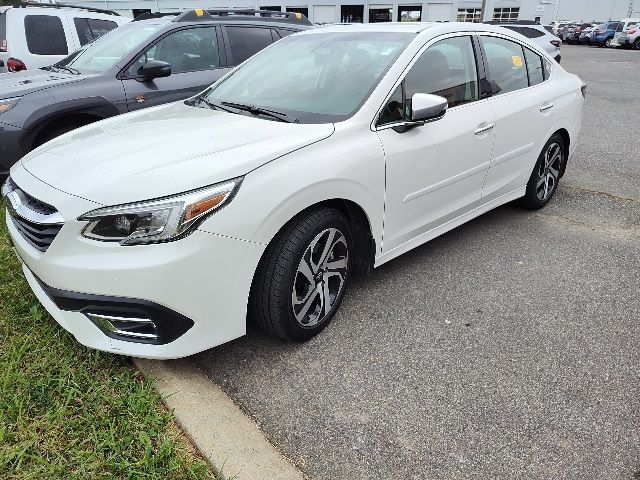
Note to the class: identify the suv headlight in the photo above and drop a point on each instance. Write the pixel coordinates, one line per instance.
(157, 221)
(7, 104)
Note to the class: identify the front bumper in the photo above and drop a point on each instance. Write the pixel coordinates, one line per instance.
(204, 279)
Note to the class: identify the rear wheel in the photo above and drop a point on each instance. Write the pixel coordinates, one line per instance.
(546, 174)
(607, 43)
(303, 276)
(636, 44)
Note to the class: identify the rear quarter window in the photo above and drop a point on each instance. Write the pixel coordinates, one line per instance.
(45, 35)
(527, 31)
(88, 29)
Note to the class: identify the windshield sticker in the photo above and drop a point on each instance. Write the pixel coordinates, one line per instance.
(517, 61)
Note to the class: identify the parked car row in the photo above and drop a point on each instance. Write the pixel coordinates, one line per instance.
(623, 33)
(278, 166)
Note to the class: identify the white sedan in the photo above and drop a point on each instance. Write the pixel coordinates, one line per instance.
(158, 233)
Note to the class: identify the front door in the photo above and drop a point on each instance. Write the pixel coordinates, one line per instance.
(435, 172)
(194, 57)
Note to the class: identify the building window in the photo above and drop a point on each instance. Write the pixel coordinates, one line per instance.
(506, 14)
(409, 14)
(273, 8)
(303, 10)
(469, 15)
(377, 15)
(351, 13)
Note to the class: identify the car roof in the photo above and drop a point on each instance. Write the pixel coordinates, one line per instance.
(436, 28)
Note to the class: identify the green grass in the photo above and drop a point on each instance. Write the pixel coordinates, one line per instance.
(70, 412)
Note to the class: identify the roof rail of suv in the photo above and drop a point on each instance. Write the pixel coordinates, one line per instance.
(62, 5)
(234, 14)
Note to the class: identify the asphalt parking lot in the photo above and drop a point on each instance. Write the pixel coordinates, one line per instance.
(507, 348)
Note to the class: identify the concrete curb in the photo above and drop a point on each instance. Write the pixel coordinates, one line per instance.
(229, 439)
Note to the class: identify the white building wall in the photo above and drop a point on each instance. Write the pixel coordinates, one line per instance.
(432, 10)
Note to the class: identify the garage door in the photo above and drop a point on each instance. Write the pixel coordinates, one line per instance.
(439, 12)
(324, 14)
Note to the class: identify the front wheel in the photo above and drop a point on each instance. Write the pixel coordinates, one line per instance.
(546, 174)
(607, 43)
(636, 44)
(303, 276)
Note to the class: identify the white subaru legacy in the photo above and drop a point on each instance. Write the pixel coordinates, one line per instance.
(159, 233)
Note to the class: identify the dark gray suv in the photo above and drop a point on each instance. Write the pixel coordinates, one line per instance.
(153, 60)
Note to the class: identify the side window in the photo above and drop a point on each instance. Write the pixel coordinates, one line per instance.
(45, 35)
(185, 50)
(100, 27)
(245, 41)
(89, 29)
(527, 31)
(285, 32)
(535, 67)
(507, 69)
(447, 68)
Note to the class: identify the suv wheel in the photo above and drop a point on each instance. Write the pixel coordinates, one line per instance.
(303, 276)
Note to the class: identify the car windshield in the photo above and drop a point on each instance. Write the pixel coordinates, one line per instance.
(316, 78)
(103, 53)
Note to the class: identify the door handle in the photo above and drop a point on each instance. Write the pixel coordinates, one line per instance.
(544, 108)
(486, 128)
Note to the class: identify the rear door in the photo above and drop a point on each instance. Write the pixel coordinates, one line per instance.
(194, 54)
(524, 104)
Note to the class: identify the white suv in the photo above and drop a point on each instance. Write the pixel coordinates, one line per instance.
(333, 150)
(38, 35)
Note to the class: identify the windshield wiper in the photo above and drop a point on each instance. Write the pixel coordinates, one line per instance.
(282, 117)
(68, 69)
(213, 105)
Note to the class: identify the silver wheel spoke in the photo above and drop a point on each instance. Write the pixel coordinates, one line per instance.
(305, 269)
(306, 304)
(554, 172)
(336, 265)
(327, 246)
(326, 298)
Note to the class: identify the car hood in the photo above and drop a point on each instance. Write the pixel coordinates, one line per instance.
(17, 84)
(163, 151)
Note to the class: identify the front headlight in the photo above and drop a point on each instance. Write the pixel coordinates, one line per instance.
(7, 104)
(160, 220)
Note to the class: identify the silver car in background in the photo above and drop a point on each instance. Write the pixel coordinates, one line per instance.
(536, 33)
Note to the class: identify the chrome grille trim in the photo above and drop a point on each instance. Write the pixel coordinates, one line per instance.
(37, 222)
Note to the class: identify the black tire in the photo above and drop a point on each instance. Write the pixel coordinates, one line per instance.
(547, 170)
(636, 44)
(51, 133)
(271, 303)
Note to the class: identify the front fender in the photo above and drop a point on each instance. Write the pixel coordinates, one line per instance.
(347, 165)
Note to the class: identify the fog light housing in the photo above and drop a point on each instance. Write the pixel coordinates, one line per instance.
(130, 329)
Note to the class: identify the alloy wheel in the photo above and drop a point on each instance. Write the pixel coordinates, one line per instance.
(320, 277)
(549, 172)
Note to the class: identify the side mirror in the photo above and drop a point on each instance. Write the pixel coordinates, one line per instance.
(154, 69)
(427, 108)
